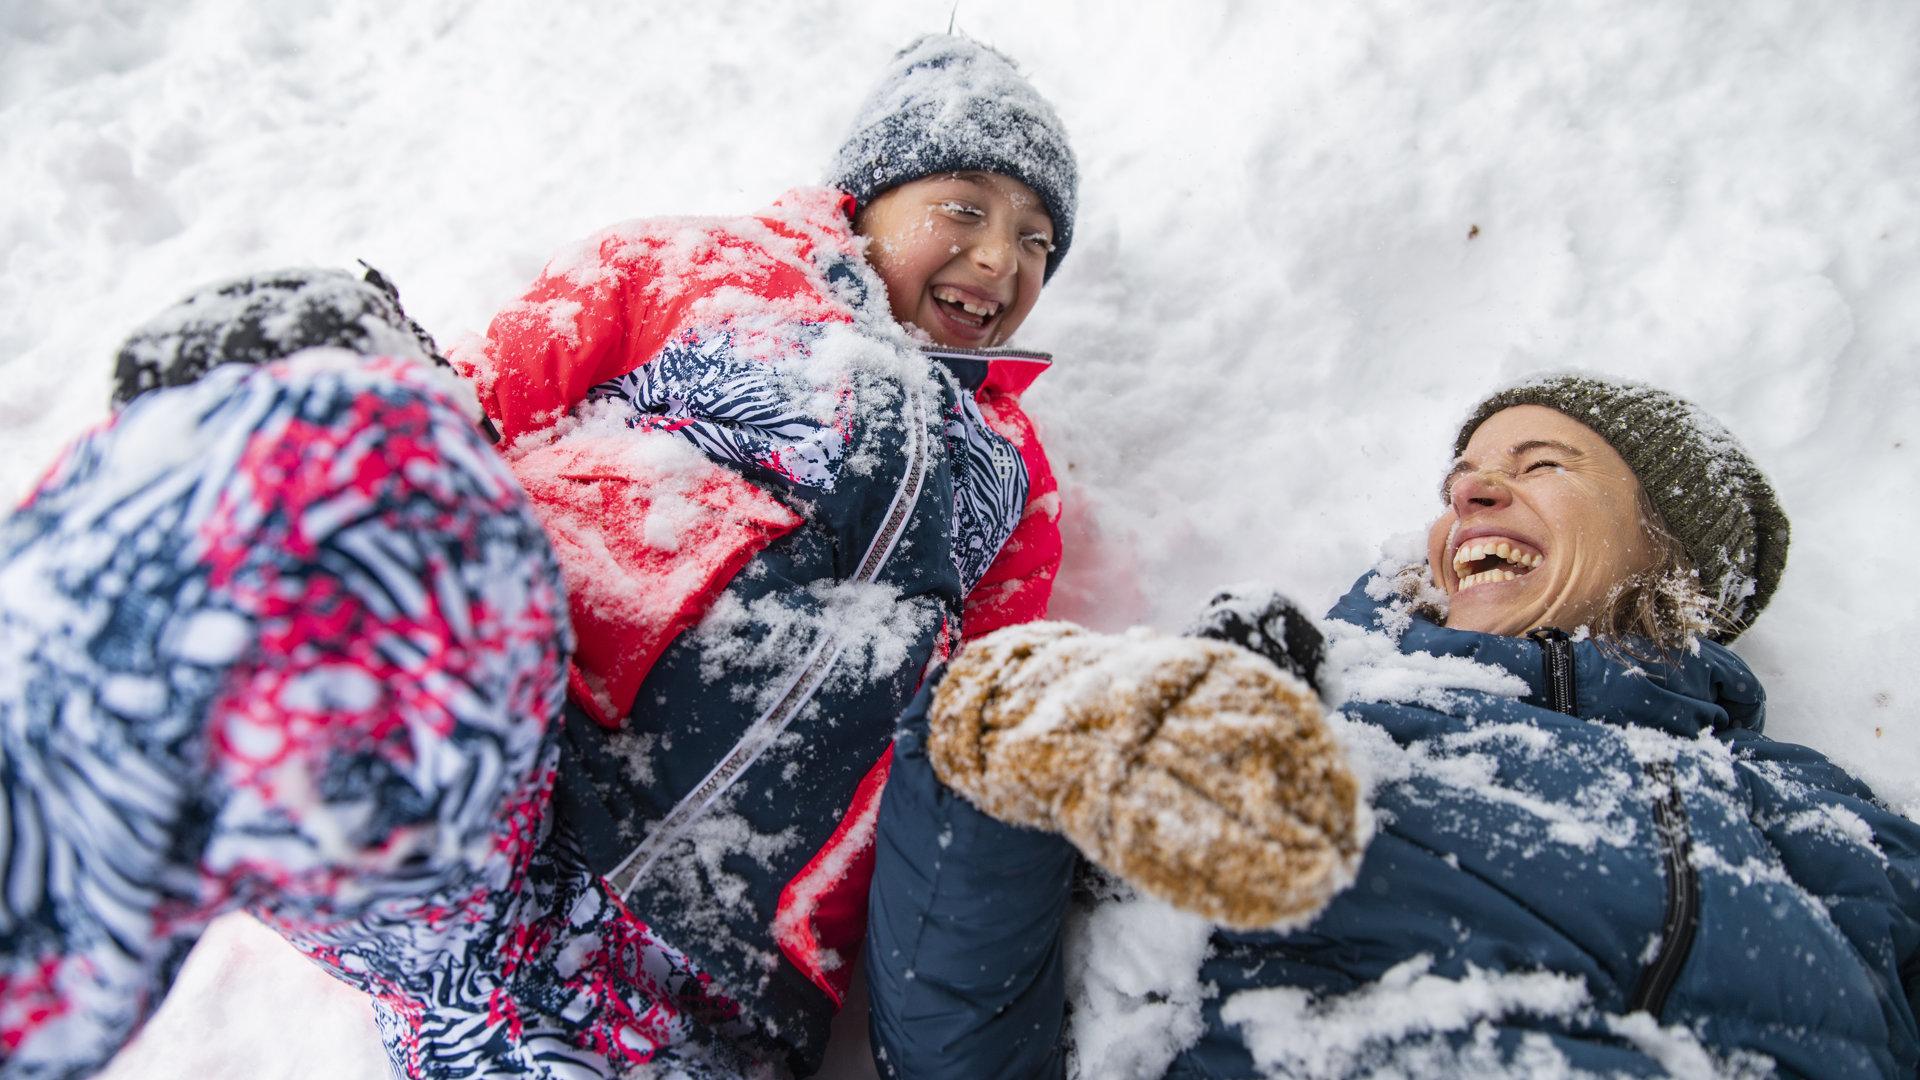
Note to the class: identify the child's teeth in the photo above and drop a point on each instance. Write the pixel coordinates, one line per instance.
(983, 311)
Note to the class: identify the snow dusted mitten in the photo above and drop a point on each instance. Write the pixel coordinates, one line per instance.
(1198, 773)
(1269, 624)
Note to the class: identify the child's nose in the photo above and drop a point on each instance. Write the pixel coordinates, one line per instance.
(995, 254)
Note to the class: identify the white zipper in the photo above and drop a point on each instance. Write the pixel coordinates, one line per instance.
(806, 680)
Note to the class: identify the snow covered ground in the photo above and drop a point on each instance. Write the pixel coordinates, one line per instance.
(1311, 235)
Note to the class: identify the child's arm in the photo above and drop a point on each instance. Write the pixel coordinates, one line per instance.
(1019, 583)
(571, 331)
(606, 307)
(593, 315)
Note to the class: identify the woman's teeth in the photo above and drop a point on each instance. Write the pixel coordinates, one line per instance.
(1504, 552)
(1486, 577)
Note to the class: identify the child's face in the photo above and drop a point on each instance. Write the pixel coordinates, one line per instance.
(962, 254)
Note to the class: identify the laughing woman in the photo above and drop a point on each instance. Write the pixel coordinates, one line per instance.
(1543, 834)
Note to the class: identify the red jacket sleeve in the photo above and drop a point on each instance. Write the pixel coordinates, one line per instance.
(607, 306)
(1019, 583)
(617, 501)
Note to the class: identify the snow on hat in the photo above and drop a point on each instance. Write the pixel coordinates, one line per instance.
(262, 317)
(1709, 492)
(949, 104)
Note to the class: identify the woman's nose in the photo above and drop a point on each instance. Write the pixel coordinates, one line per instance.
(1480, 490)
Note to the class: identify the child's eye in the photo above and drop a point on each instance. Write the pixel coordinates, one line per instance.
(962, 209)
(1039, 241)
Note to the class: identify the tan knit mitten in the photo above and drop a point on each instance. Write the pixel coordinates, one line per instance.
(1195, 770)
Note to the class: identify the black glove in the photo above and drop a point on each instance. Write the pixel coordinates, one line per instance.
(1269, 624)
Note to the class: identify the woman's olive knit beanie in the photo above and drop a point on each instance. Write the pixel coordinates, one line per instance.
(1710, 495)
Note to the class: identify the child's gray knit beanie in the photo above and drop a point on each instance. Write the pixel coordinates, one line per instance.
(1709, 492)
(950, 104)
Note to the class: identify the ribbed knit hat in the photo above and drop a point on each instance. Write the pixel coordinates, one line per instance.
(261, 318)
(950, 104)
(1713, 498)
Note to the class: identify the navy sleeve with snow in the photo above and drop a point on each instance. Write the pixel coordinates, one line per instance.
(1813, 811)
(964, 930)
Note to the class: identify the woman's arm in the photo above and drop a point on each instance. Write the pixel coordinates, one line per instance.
(964, 930)
(1830, 829)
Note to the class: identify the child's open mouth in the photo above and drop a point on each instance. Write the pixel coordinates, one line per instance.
(1490, 559)
(968, 311)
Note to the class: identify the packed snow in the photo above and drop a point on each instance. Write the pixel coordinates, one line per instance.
(1133, 973)
(1310, 237)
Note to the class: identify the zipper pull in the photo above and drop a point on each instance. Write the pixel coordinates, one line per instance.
(1557, 660)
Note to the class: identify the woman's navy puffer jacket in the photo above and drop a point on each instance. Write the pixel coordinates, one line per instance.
(1621, 824)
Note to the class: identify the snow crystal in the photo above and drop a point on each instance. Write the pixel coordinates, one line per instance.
(1678, 1050)
(695, 864)
(1365, 665)
(559, 316)
(1133, 975)
(1836, 823)
(871, 623)
(1291, 1033)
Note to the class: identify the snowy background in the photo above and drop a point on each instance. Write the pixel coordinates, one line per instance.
(1312, 235)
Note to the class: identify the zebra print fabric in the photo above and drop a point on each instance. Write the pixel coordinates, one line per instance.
(287, 641)
(747, 412)
(736, 409)
(989, 490)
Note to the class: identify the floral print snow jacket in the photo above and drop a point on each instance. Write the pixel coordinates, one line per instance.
(773, 512)
(1582, 865)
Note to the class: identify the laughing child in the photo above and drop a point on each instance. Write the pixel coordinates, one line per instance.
(285, 636)
(783, 461)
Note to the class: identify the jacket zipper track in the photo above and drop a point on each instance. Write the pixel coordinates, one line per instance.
(806, 679)
(1681, 918)
(1683, 896)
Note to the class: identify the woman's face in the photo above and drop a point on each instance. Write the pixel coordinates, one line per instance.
(1542, 524)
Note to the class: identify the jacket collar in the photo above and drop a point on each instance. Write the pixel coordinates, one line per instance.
(1004, 371)
(1708, 690)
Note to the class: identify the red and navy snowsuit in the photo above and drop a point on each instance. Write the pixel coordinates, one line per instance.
(290, 640)
(773, 510)
(284, 641)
